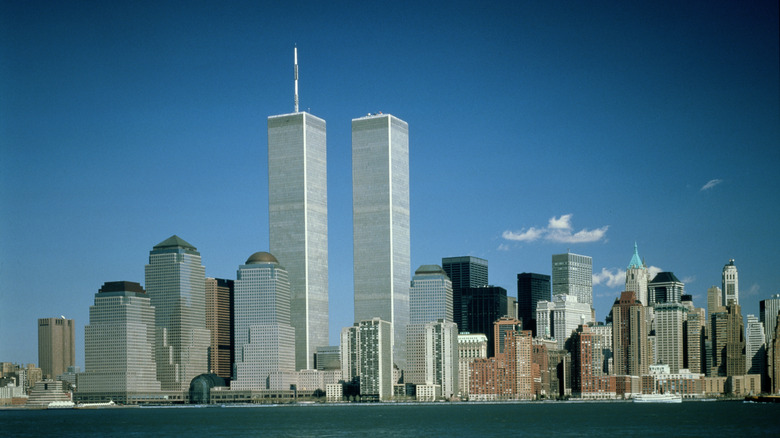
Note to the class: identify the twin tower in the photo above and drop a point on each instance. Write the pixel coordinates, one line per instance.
(298, 222)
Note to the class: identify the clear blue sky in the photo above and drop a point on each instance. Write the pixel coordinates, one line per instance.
(123, 123)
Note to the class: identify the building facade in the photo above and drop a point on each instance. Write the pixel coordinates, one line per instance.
(755, 346)
(176, 285)
(531, 288)
(669, 319)
(768, 311)
(637, 277)
(380, 215)
(665, 288)
(470, 348)
(264, 336)
(484, 306)
(464, 272)
(629, 336)
(219, 322)
(441, 356)
(572, 274)
(56, 346)
(374, 341)
(714, 300)
(559, 318)
(730, 283)
(298, 223)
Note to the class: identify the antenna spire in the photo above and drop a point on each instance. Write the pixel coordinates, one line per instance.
(295, 51)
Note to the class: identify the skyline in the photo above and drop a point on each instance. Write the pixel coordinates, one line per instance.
(533, 129)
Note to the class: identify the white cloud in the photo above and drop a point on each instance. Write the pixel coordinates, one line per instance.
(503, 247)
(689, 279)
(611, 278)
(652, 271)
(558, 229)
(710, 184)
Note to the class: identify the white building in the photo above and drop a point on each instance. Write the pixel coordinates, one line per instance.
(441, 356)
(559, 318)
(376, 358)
(264, 338)
(572, 274)
(768, 310)
(755, 346)
(176, 285)
(380, 215)
(637, 277)
(470, 347)
(119, 344)
(298, 223)
(730, 283)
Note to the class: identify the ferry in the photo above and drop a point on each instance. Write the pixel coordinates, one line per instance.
(658, 398)
(61, 405)
(107, 404)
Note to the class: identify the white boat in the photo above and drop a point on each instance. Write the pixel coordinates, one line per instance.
(658, 398)
(96, 405)
(61, 405)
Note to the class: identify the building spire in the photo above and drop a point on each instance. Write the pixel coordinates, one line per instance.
(295, 60)
(635, 262)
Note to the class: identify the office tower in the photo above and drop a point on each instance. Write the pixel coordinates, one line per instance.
(176, 285)
(264, 337)
(714, 300)
(119, 345)
(470, 348)
(349, 351)
(517, 356)
(380, 215)
(559, 318)
(774, 359)
(637, 277)
(430, 299)
(483, 306)
(572, 274)
(728, 342)
(718, 339)
(298, 223)
(328, 358)
(441, 356)
(768, 311)
(464, 272)
(587, 362)
(500, 328)
(219, 321)
(665, 288)
(511, 307)
(531, 288)
(375, 355)
(755, 346)
(693, 340)
(730, 283)
(604, 343)
(56, 346)
(669, 317)
(629, 336)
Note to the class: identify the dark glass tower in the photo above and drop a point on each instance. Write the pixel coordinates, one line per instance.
(464, 272)
(531, 288)
(483, 306)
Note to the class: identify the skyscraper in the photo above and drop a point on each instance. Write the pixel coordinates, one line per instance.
(755, 346)
(470, 348)
(730, 283)
(531, 288)
(441, 356)
(119, 345)
(298, 223)
(572, 274)
(56, 346)
(768, 311)
(264, 337)
(374, 342)
(483, 306)
(669, 317)
(464, 272)
(430, 300)
(637, 277)
(665, 288)
(380, 215)
(728, 342)
(557, 319)
(714, 300)
(176, 285)
(629, 336)
(219, 322)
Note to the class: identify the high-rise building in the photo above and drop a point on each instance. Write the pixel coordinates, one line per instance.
(693, 340)
(464, 272)
(587, 363)
(531, 288)
(773, 357)
(470, 348)
(298, 223)
(441, 356)
(730, 283)
(219, 321)
(119, 345)
(500, 328)
(430, 299)
(665, 288)
(264, 337)
(374, 342)
(755, 346)
(559, 318)
(629, 336)
(637, 277)
(56, 346)
(572, 274)
(714, 300)
(728, 342)
(484, 305)
(380, 215)
(176, 285)
(768, 310)
(669, 317)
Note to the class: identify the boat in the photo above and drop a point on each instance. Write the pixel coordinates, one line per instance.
(107, 404)
(658, 398)
(61, 405)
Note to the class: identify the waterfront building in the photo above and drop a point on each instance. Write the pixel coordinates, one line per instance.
(328, 358)
(662, 380)
(264, 336)
(380, 215)
(484, 305)
(531, 288)
(572, 274)
(119, 346)
(376, 359)
(589, 380)
(176, 286)
(669, 317)
(219, 322)
(755, 346)
(508, 375)
(500, 328)
(693, 340)
(298, 223)
(441, 356)
(665, 288)
(470, 347)
(768, 311)
(637, 277)
(464, 272)
(350, 353)
(730, 283)
(629, 335)
(559, 318)
(56, 345)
